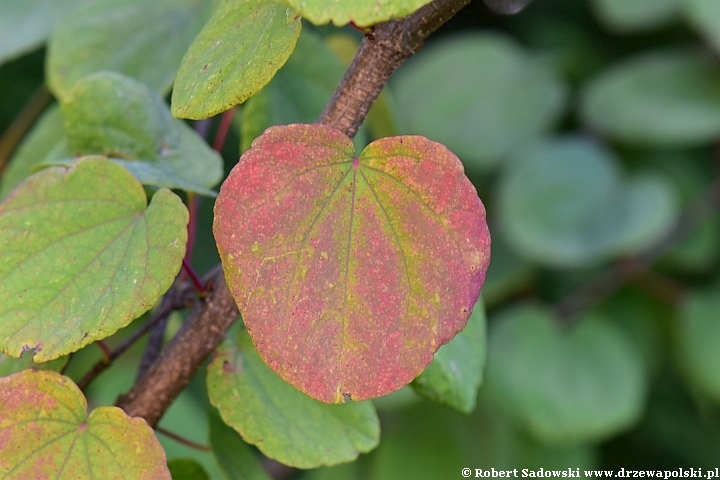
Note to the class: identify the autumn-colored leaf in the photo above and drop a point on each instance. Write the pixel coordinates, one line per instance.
(456, 372)
(46, 432)
(350, 272)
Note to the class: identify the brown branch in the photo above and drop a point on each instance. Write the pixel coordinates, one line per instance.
(177, 297)
(223, 129)
(181, 293)
(154, 344)
(182, 440)
(201, 333)
(381, 52)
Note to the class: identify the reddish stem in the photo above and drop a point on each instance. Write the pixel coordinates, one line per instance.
(363, 30)
(195, 279)
(22, 123)
(223, 128)
(107, 353)
(193, 206)
(183, 440)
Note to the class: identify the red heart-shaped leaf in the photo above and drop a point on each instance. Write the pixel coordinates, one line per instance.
(350, 272)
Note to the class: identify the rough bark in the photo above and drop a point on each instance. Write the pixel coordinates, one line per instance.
(381, 52)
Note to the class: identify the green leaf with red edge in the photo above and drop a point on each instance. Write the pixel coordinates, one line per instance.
(350, 272)
(86, 255)
(361, 12)
(46, 432)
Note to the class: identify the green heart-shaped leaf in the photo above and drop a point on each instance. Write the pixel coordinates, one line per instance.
(46, 432)
(284, 423)
(564, 203)
(583, 384)
(234, 56)
(110, 114)
(87, 255)
(350, 272)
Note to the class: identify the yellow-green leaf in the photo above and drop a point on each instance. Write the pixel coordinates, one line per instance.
(83, 256)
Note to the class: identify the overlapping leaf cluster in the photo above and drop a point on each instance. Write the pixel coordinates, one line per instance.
(88, 255)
